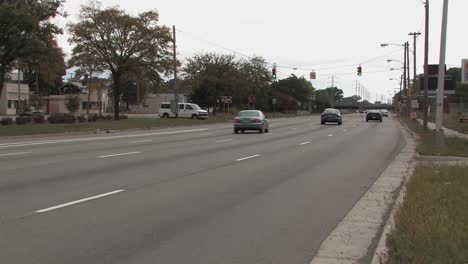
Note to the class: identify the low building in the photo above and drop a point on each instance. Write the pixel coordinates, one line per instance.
(9, 97)
(97, 96)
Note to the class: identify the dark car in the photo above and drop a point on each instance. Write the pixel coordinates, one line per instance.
(331, 115)
(374, 115)
(251, 120)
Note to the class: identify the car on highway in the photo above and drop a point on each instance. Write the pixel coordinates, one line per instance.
(186, 110)
(331, 115)
(374, 115)
(251, 120)
(384, 112)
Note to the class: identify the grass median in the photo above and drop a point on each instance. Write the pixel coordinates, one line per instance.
(124, 124)
(454, 146)
(431, 225)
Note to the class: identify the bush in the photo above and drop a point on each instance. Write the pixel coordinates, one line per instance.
(7, 121)
(92, 118)
(40, 119)
(109, 117)
(123, 117)
(61, 118)
(81, 118)
(23, 120)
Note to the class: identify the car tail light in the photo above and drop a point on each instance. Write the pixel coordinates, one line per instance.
(255, 120)
(236, 120)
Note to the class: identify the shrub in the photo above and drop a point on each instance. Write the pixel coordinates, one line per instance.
(81, 118)
(61, 118)
(109, 117)
(92, 118)
(7, 121)
(123, 117)
(40, 119)
(22, 120)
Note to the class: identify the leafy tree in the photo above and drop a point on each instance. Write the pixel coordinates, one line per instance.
(255, 79)
(210, 75)
(72, 103)
(49, 66)
(351, 100)
(291, 91)
(119, 42)
(25, 29)
(325, 98)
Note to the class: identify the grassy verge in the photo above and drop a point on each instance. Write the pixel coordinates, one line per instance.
(451, 121)
(431, 225)
(125, 124)
(454, 146)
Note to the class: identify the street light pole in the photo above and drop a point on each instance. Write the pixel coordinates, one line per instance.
(439, 139)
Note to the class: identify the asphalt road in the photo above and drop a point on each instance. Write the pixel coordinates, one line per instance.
(187, 195)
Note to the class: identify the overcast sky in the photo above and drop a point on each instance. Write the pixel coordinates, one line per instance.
(331, 36)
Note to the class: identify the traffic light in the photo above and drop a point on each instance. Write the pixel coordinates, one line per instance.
(359, 70)
(273, 72)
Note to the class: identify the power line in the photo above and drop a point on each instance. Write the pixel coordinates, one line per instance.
(284, 66)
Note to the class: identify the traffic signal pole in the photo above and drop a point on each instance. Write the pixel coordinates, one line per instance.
(426, 62)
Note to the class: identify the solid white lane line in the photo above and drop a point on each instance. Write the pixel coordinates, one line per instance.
(78, 201)
(141, 141)
(249, 157)
(14, 154)
(294, 128)
(206, 134)
(344, 130)
(32, 143)
(304, 143)
(331, 135)
(225, 140)
(119, 154)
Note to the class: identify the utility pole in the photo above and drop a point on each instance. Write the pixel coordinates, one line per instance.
(439, 139)
(404, 74)
(18, 105)
(426, 62)
(332, 92)
(408, 85)
(176, 89)
(415, 35)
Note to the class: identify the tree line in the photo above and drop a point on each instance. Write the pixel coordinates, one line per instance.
(136, 50)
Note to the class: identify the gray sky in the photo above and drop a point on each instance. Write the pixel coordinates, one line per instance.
(331, 36)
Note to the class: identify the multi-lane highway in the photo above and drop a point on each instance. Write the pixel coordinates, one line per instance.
(187, 195)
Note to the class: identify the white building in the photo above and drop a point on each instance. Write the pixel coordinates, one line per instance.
(9, 97)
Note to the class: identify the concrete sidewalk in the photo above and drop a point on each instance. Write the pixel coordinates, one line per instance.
(448, 132)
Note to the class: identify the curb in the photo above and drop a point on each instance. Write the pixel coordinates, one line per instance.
(381, 249)
(365, 225)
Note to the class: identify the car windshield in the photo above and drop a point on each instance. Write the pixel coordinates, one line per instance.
(331, 111)
(195, 107)
(248, 114)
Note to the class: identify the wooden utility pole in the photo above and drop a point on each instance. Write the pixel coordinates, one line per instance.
(426, 62)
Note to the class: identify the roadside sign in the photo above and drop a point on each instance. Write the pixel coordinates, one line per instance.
(226, 99)
(465, 71)
(313, 75)
(413, 115)
(415, 104)
(273, 101)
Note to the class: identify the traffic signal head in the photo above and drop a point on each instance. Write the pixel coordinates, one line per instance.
(273, 72)
(359, 70)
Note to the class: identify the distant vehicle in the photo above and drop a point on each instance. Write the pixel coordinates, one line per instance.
(331, 115)
(374, 115)
(251, 120)
(384, 112)
(186, 110)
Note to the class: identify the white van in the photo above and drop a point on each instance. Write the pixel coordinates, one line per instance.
(186, 110)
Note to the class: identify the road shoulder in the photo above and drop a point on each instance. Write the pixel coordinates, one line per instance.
(356, 237)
